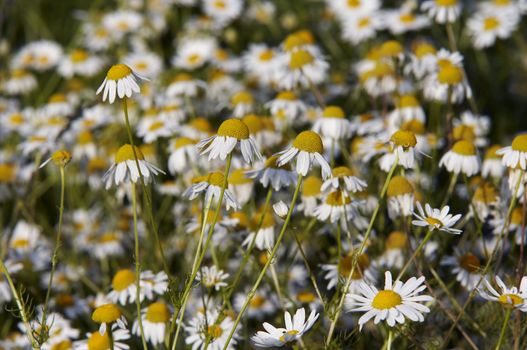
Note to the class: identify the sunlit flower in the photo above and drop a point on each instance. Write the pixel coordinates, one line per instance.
(515, 298)
(515, 155)
(155, 320)
(120, 81)
(212, 277)
(462, 158)
(436, 219)
(442, 11)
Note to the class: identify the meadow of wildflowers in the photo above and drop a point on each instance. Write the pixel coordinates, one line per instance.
(245, 174)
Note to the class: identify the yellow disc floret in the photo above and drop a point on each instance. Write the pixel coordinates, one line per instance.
(309, 141)
(399, 186)
(520, 143)
(106, 313)
(123, 279)
(118, 71)
(464, 148)
(450, 75)
(337, 198)
(158, 313)
(396, 240)
(234, 128)
(126, 152)
(300, 58)
(61, 158)
(98, 341)
(333, 112)
(386, 299)
(470, 262)
(404, 138)
(311, 186)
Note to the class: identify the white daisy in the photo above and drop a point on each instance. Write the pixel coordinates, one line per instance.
(274, 175)
(515, 155)
(154, 319)
(442, 11)
(486, 27)
(333, 124)
(395, 303)
(211, 185)
(436, 219)
(203, 326)
(343, 178)
(120, 81)
(212, 277)
(509, 297)
(462, 158)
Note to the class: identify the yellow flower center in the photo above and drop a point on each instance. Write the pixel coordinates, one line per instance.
(403, 138)
(156, 126)
(520, 143)
(254, 123)
(399, 186)
(141, 66)
(485, 193)
(450, 75)
(309, 141)
(464, 132)
(491, 152)
(293, 41)
(407, 18)
(386, 299)
(266, 55)
(78, 56)
(220, 4)
(516, 216)
(237, 177)
(415, 126)
(363, 22)
(396, 240)
(300, 58)
(501, 2)
(19, 73)
(61, 157)
(434, 222)
(109, 237)
(470, 262)
(311, 186)
(182, 77)
(106, 313)
(491, 23)
(126, 152)
(345, 264)
(243, 220)
(391, 48)
(353, 3)
(118, 71)
(216, 179)
(158, 313)
(57, 98)
(183, 141)
(257, 301)
(446, 2)
(464, 147)
(287, 95)
(408, 101)
(234, 128)
(333, 112)
(423, 49)
(62, 345)
(306, 297)
(123, 279)
(242, 97)
(98, 341)
(291, 332)
(16, 119)
(20, 243)
(337, 198)
(7, 173)
(64, 300)
(96, 164)
(510, 300)
(214, 331)
(85, 137)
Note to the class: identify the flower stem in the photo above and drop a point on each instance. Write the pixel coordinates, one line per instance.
(417, 250)
(110, 337)
(137, 268)
(390, 339)
(504, 328)
(359, 252)
(143, 186)
(20, 305)
(195, 269)
(268, 262)
(54, 258)
(451, 186)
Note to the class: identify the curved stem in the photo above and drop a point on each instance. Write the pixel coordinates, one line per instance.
(268, 262)
(390, 339)
(188, 287)
(359, 252)
(504, 328)
(137, 268)
(20, 305)
(54, 258)
(417, 250)
(145, 192)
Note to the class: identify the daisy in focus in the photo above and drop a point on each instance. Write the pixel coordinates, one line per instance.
(436, 219)
(120, 81)
(393, 304)
(513, 297)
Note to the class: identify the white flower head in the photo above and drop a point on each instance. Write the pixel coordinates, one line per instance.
(120, 81)
(436, 219)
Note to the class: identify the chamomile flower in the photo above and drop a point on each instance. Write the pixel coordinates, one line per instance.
(98, 341)
(272, 174)
(336, 206)
(120, 81)
(144, 64)
(182, 152)
(462, 158)
(241, 185)
(261, 62)
(442, 11)
(294, 329)
(343, 178)
(436, 219)
(485, 27)
(222, 11)
(286, 108)
(307, 148)
(361, 27)
(302, 69)
(242, 103)
(185, 85)
(204, 326)
(515, 298)
(212, 277)
(515, 156)
(393, 304)
(211, 185)
(106, 315)
(20, 82)
(60, 158)
(230, 133)
(310, 194)
(466, 266)
(264, 239)
(393, 255)
(80, 62)
(154, 319)
(403, 20)
(492, 166)
(125, 170)
(333, 124)
(365, 271)
(193, 53)
(122, 22)
(402, 148)
(400, 195)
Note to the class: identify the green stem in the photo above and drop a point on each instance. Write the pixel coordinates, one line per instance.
(268, 262)
(54, 258)
(417, 250)
(188, 287)
(361, 249)
(110, 337)
(504, 328)
(390, 339)
(20, 305)
(137, 268)
(145, 192)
